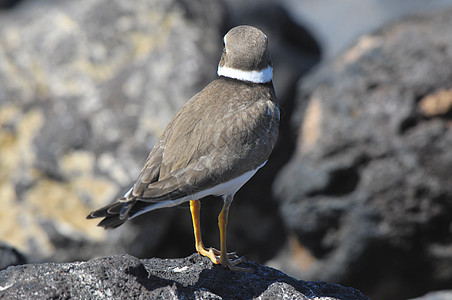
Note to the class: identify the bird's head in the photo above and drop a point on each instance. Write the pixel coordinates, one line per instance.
(245, 55)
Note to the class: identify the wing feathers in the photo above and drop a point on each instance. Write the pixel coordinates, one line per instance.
(226, 130)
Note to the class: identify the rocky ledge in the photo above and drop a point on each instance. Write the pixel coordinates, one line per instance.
(127, 277)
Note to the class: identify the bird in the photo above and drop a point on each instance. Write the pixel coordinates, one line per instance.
(213, 145)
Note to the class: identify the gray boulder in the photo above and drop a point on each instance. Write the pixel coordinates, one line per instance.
(367, 195)
(86, 88)
(127, 277)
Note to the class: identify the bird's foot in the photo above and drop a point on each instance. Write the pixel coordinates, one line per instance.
(232, 264)
(231, 260)
(214, 254)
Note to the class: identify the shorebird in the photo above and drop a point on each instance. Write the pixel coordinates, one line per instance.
(213, 145)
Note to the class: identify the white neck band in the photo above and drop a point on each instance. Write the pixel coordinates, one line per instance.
(262, 76)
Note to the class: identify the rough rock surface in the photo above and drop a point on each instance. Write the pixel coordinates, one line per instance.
(367, 196)
(127, 277)
(86, 87)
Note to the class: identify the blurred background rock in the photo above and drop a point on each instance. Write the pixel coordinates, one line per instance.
(358, 190)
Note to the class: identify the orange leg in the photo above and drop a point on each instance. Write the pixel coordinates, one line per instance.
(195, 207)
(213, 254)
(222, 224)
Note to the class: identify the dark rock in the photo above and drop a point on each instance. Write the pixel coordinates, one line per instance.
(9, 256)
(6, 4)
(367, 194)
(127, 277)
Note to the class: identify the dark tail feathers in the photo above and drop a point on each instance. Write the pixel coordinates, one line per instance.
(114, 214)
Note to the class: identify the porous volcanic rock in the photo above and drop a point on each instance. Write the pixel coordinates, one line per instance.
(367, 195)
(127, 277)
